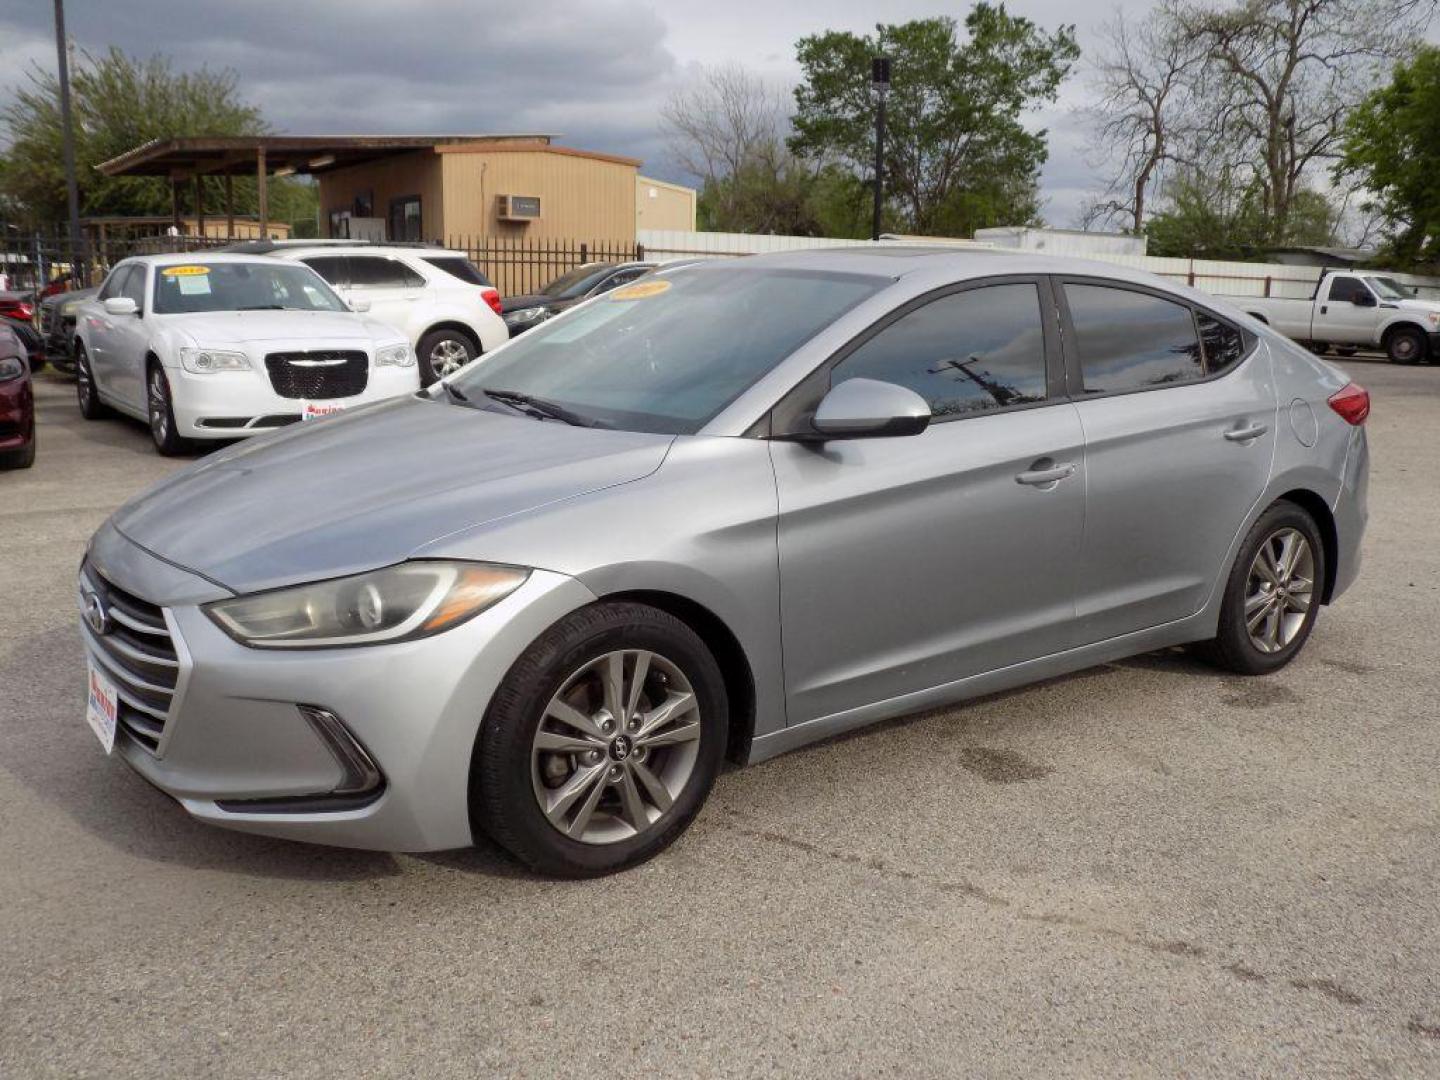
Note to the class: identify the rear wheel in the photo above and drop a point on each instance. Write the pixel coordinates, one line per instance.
(91, 407)
(162, 413)
(602, 742)
(1406, 346)
(1272, 596)
(444, 352)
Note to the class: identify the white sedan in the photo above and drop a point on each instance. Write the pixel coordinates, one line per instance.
(218, 346)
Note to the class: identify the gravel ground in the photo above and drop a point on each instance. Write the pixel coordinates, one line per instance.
(1146, 868)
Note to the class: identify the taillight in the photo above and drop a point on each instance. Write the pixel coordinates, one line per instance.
(491, 297)
(1352, 402)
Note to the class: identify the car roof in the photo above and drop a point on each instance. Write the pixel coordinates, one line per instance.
(183, 257)
(294, 249)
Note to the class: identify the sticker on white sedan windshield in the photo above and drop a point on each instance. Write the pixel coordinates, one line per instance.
(191, 280)
(185, 271)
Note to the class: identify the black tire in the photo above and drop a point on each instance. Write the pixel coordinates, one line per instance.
(1406, 345)
(91, 407)
(1319, 348)
(1346, 350)
(1232, 647)
(23, 458)
(442, 340)
(161, 413)
(503, 800)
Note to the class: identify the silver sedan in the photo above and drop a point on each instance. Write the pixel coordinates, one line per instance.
(718, 513)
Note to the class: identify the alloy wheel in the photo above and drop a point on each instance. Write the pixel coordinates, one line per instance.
(1406, 348)
(448, 356)
(617, 744)
(159, 398)
(83, 387)
(1279, 590)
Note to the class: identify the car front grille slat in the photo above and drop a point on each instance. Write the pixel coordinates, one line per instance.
(137, 654)
(318, 375)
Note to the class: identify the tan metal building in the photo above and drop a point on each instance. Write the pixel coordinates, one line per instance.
(465, 189)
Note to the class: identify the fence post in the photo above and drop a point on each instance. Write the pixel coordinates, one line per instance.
(639, 251)
(584, 252)
(1267, 285)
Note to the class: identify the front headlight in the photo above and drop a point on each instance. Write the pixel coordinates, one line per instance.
(11, 369)
(209, 361)
(525, 316)
(412, 600)
(394, 356)
(68, 308)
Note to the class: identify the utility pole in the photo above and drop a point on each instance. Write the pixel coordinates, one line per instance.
(880, 77)
(72, 190)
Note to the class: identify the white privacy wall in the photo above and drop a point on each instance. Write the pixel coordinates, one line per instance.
(1217, 278)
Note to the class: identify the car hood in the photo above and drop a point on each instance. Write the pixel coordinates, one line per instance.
(1425, 306)
(223, 327)
(369, 487)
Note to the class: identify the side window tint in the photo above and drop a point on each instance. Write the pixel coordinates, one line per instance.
(1224, 344)
(134, 286)
(114, 281)
(1132, 341)
(330, 267)
(966, 353)
(372, 271)
(1344, 289)
(621, 277)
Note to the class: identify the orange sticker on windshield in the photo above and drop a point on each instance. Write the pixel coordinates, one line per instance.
(641, 290)
(185, 271)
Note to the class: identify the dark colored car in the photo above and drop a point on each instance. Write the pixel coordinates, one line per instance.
(57, 326)
(17, 403)
(30, 338)
(531, 309)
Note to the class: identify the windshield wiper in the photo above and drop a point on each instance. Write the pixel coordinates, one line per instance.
(539, 407)
(262, 307)
(456, 393)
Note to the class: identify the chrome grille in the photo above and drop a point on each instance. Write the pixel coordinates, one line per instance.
(137, 654)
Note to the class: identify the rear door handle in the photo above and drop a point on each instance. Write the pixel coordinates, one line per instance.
(1041, 477)
(1245, 434)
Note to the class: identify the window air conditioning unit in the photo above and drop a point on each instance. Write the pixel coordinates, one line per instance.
(519, 207)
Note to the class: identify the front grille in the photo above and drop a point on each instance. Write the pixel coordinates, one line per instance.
(318, 375)
(137, 654)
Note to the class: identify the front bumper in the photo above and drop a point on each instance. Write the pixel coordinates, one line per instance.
(238, 746)
(17, 414)
(235, 404)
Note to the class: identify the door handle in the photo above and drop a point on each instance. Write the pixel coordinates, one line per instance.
(1324, 309)
(1245, 434)
(1040, 477)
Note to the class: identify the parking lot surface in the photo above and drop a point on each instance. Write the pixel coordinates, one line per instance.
(1146, 868)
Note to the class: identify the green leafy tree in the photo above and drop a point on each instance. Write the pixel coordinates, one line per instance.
(957, 155)
(1392, 148)
(120, 102)
(1220, 216)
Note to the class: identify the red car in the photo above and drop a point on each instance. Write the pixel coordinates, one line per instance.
(17, 404)
(17, 305)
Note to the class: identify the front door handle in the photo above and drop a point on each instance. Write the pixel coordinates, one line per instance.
(1245, 434)
(1052, 474)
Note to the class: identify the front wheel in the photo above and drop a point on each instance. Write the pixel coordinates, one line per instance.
(1406, 346)
(1272, 596)
(442, 353)
(88, 397)
(162, 414)
(601, 743)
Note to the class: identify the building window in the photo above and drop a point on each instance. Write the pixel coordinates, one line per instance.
(339, 224)
(405, 218)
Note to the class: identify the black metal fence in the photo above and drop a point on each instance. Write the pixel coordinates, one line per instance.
(31, 260)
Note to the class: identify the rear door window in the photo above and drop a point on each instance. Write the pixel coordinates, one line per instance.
(1131, 340)
(458, 267)
(965, 353)
(1224, 344)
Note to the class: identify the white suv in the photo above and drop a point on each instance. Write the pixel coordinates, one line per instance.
(437, 298)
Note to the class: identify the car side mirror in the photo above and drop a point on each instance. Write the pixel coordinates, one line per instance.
(360, 306)
(870, 409)
(1363, 300)
(121, 305)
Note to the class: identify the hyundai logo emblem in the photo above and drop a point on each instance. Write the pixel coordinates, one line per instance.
(96, 615)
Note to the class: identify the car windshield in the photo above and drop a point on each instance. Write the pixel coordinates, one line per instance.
(575, 283)
(667, 354)
(1390, 289)
(241, 286)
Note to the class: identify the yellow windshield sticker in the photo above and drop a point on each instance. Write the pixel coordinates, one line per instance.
(641, 290)
(185, 271)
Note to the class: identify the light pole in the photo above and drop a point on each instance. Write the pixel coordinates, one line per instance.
(72, 190)
(880, 78)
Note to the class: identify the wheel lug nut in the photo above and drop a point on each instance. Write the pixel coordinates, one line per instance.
(616, 772)
(592, 757)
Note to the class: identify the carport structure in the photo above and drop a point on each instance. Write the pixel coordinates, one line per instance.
(191, 159)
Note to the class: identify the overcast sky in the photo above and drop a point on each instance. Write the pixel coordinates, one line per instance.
(593, 71)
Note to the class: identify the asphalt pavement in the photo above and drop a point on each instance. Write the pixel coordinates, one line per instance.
(1147, 868)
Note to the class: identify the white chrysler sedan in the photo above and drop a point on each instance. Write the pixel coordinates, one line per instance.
(218, 346)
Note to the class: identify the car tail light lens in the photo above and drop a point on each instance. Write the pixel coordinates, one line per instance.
(1352, 402)
(491, 297)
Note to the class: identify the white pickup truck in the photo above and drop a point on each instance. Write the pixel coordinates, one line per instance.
(1353, 310)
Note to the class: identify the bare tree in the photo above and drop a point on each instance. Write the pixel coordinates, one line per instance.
(1142, 79)
(1279, 77)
